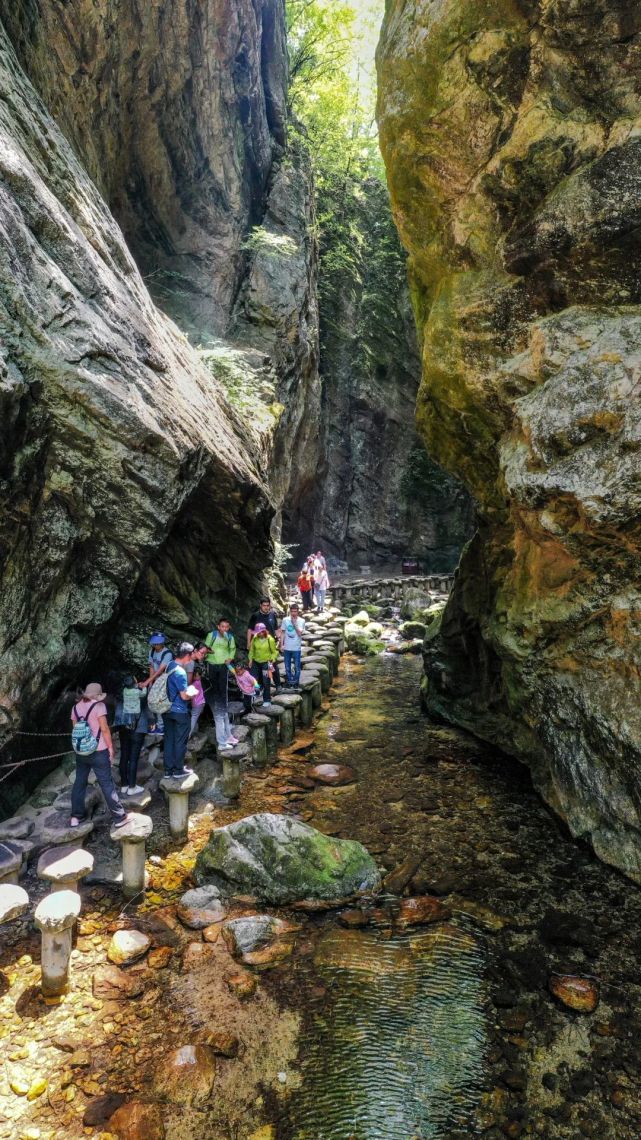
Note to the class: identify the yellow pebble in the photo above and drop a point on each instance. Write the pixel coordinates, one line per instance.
(69, 1093)
(19, 1086)
(37, 1088)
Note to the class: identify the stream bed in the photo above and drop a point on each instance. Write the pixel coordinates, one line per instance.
(372, 1029)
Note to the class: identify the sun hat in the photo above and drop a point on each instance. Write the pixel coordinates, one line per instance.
(260, 628)
(94, 692)
(157, 639)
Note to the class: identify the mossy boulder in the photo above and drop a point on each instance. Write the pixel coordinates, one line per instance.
(364, 646)
(282, 861)
(361, 618)
(411, 629)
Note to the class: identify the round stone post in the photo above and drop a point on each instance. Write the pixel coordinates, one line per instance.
(231, 775)
(274, 716)
(64, 867)
(132, 836)
(13, 901)
(258, 724)
(177, 792)
(55, 917)
(306, 707)
(287, 726)
(10, 862)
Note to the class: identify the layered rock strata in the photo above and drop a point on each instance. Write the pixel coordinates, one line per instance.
(511, 137)
(123, 466)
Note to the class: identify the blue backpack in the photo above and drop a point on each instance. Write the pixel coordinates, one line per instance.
(83, 740)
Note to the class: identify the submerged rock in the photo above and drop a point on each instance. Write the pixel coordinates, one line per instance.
(579, 994)
(281, 860)
(421, 911)
(201, 907)
(186, 1075)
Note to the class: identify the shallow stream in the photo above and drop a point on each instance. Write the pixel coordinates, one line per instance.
(371, 1030)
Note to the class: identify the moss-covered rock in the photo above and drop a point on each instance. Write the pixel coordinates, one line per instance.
(510, 133)
(280, 861)
(411, 629)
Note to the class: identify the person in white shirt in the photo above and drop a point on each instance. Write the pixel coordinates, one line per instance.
(292, 630)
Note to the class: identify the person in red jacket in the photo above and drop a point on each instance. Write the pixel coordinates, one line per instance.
(306, 587)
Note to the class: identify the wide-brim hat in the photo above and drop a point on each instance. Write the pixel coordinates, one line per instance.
(94, 692)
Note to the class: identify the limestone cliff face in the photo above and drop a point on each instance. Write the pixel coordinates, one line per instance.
(128, 493)
(376, 495)
(511, 134)
(179, 113)
(176, 110)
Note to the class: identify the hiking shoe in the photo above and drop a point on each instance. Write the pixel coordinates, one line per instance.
(267, 705)
(124, 791)
(233, 740)
(224, 747)
(181, 772)
(121, 822)
(135, 791)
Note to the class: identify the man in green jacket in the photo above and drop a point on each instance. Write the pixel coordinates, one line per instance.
(263, 654)
(222, 651)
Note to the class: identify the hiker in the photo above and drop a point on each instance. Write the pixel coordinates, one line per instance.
(306, 586)
(159, 658)
(321, 586)
(263, 655)
(198, 702)
(177, 718)
(268, 617)
(92, 743)
(222, 651)
(132, 722)
(293, 628)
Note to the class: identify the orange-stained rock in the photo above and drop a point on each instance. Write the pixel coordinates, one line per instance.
(222, 1043)
(196, 955)
(269, 955)
(186, 1075)
(160, 957)
(242, 984)
(137, 1121)
(579, 994)
(354, 918)
(212, 933)
(421, 910)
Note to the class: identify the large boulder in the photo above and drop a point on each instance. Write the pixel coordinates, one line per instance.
(282, 861)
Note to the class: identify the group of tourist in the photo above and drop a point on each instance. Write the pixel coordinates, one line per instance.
(313, 582)
(169, 701)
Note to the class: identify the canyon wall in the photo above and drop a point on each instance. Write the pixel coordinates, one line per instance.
(511, 135)
(376, 496)
(124, 469)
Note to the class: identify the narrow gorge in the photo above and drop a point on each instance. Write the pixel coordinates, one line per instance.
(351, 286)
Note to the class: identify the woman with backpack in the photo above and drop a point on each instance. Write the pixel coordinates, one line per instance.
(160, 657)
(92, 743)
(132, 722)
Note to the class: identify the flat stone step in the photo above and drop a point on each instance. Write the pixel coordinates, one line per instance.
(13, 901)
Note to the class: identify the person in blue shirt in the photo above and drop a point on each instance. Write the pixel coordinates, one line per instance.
(177, 720)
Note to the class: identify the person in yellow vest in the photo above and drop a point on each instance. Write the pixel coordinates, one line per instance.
(263, 655)
(222, 651)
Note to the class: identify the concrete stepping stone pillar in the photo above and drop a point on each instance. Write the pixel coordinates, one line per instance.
(13, 901)
(177, 793)
(291, 703)
(10, 862)
(258, 724)
(317, 663)
(236, 711)
(272, 730)
(55, 917)
(232, 762)
(132, 837)
(64, 867)
(307, 683)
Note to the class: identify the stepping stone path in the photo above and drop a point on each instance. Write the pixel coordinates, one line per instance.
(10, 862)
(13, 901)
(56, 829)
(64, 867)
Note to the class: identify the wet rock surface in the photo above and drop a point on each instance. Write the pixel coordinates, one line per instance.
(510, 139)
(284, 861)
